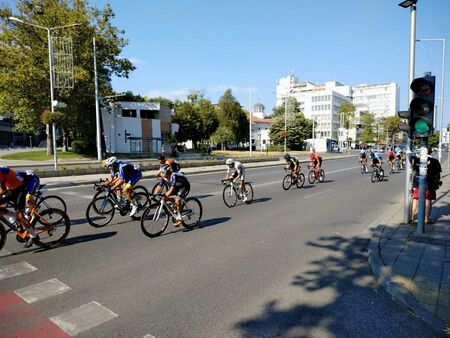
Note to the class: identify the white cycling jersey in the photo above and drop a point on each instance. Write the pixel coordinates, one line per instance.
(237, 167)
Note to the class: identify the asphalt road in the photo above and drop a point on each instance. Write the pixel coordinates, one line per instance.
(291, 264)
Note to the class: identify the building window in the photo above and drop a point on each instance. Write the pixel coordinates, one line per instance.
(149, 114)
(129, 113)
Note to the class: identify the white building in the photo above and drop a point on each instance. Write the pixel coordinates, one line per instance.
(260, 128)
(321, 104)
(136, 127)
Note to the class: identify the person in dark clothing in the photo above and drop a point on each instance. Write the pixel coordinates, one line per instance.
(433, 183)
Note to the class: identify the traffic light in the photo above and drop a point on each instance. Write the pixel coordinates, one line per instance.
(421, 108)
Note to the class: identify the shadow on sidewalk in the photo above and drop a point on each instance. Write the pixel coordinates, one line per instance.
(337, 297)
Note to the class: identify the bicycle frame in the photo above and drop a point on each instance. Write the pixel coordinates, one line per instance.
(163, 203)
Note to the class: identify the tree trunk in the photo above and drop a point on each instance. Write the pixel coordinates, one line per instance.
(49, 140)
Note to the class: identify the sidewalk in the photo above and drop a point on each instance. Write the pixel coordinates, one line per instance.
(415, 269)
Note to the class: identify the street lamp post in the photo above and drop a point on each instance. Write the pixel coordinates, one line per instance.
(50, 61)
(412, 51)
(441, 118)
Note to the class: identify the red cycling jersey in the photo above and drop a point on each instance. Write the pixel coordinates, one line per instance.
(314, 157)
(9, 178)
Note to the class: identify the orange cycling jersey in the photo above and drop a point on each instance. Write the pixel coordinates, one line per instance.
(9, 178)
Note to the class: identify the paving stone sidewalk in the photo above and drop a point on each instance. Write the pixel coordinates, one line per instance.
(415, 269)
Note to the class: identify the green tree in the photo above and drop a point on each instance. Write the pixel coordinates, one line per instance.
(232, 117)
(368, 126)
(189, 120)
(391, 126)
(209, 118)
(298, 129)
(161, 100)
(347, 109)
(433, 140)
(223, 136)
(293, 107)
(24, 68)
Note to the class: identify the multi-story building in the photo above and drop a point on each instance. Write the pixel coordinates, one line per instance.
(321, 104)
(260, 128)
(136, 127)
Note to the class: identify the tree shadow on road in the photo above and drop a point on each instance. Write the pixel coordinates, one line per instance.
(337, 297)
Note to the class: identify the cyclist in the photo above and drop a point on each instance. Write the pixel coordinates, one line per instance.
(236, 171)
(32, 183)
(391, 156)
(375, 160)
(13, 189)
(316, 161)
(363, 158)
(292, 163)
(177, 184)
(124, 175)
(399, 157)
(175, 167)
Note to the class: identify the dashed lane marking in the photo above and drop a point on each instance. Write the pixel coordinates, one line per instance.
(43, 290)
(318, 193)
(83, 318)
(16, 269)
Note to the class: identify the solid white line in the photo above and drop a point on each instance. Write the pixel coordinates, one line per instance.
(318, 193)
(43, 290)
(16, 269)
(148, 336)
(4, 253)
(83, 318)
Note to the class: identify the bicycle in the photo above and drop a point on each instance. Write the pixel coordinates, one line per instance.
(49, 201)
(399, 164)
(290, 179)
(155, 218)
(51, 225)
(314, 175)
(232, 192)
(377, 174)
(101, 210)
(104, 190)
(363, 168)
(165, 188)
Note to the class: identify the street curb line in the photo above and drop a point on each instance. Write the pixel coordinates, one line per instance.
(205, 171)
(385, 278)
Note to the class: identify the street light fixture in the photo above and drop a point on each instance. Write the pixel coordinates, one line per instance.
(407, 3)
(50, 61)
(441, 118)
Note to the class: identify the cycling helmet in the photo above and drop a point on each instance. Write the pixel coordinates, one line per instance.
(164, 168)
(287, 156)
(229, 161)
(109, 161)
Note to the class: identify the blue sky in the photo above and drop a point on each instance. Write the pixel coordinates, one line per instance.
(212, 45)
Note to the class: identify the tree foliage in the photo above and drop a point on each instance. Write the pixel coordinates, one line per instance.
(291, 104)
(348, 109)
(232, 117)
(298, 129)
(24, 67)
(368, 125)
(391, 126)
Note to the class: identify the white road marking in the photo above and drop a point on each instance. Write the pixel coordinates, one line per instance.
(16, 269)
(83, 318)
(318, 193)
(4, 253)
(148, 336)
(43, 290)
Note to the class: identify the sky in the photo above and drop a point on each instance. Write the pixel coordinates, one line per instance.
(178, 45)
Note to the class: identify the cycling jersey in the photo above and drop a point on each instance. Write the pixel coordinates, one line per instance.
(293, 161)
(10, 178)
(238, 169)
(179, 182)
(32, 180)
(391, 155)
(363, 155)
(128, 172)
(315, 158)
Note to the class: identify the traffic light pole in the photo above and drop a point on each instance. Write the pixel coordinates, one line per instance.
(412, 51)
(422, 185)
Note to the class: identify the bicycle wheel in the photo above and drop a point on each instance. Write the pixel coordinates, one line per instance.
(52, 202)
(381, 175)
(100, 212)
(229, 196)
(154, 220)
(311, 177)
(143, 201)
(300, 180)
(192, 212)
(165, 188)
(363, 169)
(140, 189)
(287, 182)
(249, 189)
(374, 176)
(52, 226)
(321, 176)
(2, 236)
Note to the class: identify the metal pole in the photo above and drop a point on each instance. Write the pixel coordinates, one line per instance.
(412, 51)
(285, 120)
(50, 61)
(441, 123)
(250, 124)
(422, 185)
(97, 107)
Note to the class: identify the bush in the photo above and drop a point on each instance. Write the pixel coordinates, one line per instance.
(81, 147)
(277, 147)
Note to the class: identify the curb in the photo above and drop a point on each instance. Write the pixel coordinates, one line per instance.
(146, 174)
(385, 278)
